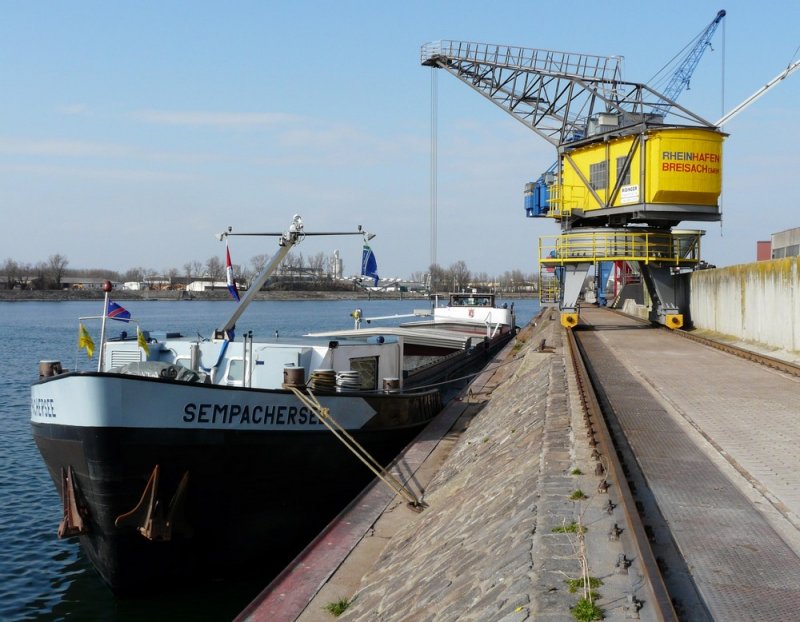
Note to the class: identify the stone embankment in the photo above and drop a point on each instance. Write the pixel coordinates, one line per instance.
(490, 545)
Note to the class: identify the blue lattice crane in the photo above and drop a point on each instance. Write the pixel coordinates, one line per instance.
(680, 78)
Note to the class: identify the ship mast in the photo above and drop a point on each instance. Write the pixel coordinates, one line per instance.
(294, 235)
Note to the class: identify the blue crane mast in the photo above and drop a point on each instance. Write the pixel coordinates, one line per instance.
(537, 193)
(683, 74)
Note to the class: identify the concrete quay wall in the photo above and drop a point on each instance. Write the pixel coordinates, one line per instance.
(757, 302)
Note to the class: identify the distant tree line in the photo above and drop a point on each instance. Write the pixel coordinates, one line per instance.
(295, 272)
(458, 278)
(42, 275)
(50, 274)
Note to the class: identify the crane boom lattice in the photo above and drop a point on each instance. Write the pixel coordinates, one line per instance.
(555, 94)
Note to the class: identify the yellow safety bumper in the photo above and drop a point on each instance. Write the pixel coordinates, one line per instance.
(674, 320)
(569, 320)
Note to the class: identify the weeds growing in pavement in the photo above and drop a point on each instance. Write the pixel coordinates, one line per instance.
(338, 607)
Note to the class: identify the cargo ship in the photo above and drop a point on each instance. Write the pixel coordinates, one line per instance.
(181, 459)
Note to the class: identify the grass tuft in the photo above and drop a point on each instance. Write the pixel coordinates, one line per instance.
(572, 527)
(573, 585)
(586, 611)
(338, 607)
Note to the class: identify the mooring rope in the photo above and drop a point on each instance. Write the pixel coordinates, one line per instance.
(324, 415)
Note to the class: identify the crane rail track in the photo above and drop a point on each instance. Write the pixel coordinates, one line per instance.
(750, 355)
(761, 359)
(606, 453)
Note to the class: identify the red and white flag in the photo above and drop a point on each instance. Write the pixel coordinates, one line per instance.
(229, 275)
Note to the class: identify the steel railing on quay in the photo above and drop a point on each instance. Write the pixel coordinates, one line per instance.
(681, 249)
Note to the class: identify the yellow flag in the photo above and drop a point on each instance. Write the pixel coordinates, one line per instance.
(85, 341)
(141, 341)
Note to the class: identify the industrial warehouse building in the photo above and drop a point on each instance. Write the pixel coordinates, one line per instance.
(783, 244)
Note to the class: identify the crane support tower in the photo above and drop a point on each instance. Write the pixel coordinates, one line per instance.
(624, 178)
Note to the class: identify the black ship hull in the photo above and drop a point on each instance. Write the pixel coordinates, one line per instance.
(253, 499)
(171, 483)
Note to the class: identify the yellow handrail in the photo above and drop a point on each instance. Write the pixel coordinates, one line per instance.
(647, 246)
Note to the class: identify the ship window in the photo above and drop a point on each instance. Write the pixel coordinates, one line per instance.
(235, 373)
(367, 367)
(626, 179)
(598, 175)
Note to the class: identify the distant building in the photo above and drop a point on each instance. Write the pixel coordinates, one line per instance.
(336, 266)
(84, 282)
(134, 285)
(763, 250)
(201, 286)
(204, 285)
(786, 243)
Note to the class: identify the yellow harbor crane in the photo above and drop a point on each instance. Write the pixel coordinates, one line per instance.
(632, 163)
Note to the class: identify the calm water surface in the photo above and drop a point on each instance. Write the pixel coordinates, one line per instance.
(44, 578)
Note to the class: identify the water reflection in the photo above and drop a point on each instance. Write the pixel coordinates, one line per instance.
(78, 593)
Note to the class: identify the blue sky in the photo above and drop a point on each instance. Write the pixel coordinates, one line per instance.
(131, 133)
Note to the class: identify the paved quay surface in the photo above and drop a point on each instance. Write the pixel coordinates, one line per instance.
(747, 415)
(715, 437)
(484, 548)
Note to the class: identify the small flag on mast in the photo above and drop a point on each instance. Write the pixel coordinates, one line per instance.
(369, 265)
(229, 274)
(85, 341)
(116, 312)
(141, 341)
